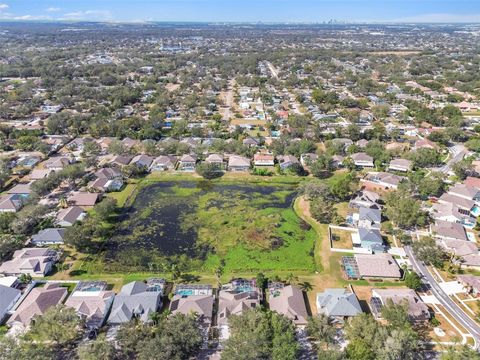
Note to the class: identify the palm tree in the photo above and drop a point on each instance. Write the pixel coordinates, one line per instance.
(62, 203)
(291, 279)
(176, 273)
(306, 286)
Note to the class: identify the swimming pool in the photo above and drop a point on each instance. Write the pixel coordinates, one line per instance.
(475, 211)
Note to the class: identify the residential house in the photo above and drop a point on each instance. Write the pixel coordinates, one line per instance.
(362, 160)
(69, 216)
(109, 173)
(452, 213)
(472, 182)
(92, 302)
(251, 142)
(8, 298)
(238, 163)
(22, 190)
(106, 185)
(445, 230)
(163, 163)
(337, 161)
(137, 299)
(338, 303)
(365, 199)
(287, 161)
(383, 181)
(56, 163)
(83, 199)
(425, 144)
(344, 142)
(471, 283)
(417, 310)
(402, 165)
(369, 218)
(263, 159)
(362, 143)
(465, 206)
(38, 174)
(465, 192)
(142, 161)
(129, 143)
(368, 239)
(216, 159)
(289, 302)
(234, 298)
(196, 299)
(121, 160)
(37, 302)
(381, 265)
(11, 202)
(308, 159)
(50, 236)
(36, 262)
(187, 162)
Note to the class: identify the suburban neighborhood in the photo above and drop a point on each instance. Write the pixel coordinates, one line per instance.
(239, 192)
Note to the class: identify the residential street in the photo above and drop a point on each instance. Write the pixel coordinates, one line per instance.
(453, 309)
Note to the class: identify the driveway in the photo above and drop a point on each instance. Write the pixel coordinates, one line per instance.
(453, 309)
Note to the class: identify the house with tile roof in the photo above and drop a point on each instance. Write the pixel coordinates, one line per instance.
(417, 310)
(338, 303)
(289, 302)
(137, 299)
(37, 302)
(36, 262)
(92, 302)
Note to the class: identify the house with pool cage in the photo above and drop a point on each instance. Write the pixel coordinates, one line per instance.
(364, 266)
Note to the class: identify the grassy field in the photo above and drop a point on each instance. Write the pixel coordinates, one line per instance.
(305, 254)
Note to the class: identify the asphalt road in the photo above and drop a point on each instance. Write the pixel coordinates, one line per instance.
(453, 308)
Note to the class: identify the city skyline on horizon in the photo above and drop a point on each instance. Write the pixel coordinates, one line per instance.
(247, 11)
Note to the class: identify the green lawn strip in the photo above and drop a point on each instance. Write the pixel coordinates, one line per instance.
(321, 231)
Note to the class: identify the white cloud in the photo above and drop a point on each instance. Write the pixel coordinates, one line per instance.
(31, 17)
(53, 9)
(3, 6)
(88, 15)
(441, 18)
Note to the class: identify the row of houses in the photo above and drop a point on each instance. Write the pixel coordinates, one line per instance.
(98, 306)
(340, 303)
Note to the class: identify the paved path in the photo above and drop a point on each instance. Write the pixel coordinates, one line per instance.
(451, 307)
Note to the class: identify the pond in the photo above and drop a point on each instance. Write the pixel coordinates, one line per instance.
(206, 221)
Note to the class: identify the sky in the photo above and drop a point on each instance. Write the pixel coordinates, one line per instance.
(243, 10)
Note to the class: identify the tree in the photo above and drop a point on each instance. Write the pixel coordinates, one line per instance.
(462, 168)
(9, 243)
(256, 334)
(209, 170)
(402, 210)
(323, 210)
(412, 280)
(460, 353)
(100, 348)
(322, 167)
(21, 349)
(5, 173)
(59, 325)
(400, 344)
(105, 208)
(284, 343)
(427, 250)
(321, 329)
(396, 314)
(176, 338)
(343, 187)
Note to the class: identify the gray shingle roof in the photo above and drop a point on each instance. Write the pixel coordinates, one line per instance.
(338, 302)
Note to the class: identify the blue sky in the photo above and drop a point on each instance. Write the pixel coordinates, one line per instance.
(243, 10)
